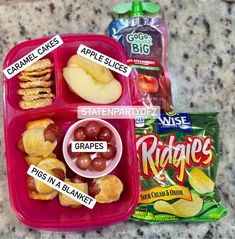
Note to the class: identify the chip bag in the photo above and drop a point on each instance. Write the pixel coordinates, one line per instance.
(178, 157)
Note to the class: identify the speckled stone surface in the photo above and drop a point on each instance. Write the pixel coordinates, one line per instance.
(202, 66)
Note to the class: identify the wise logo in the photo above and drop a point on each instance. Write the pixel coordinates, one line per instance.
(167, 122)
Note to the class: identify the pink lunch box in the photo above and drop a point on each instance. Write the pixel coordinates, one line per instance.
(51, 215)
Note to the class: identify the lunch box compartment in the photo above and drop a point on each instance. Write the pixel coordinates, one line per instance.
(69, 49)
(12, 84)
(50, 214)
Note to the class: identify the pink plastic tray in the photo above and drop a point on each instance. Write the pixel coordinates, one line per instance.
(51, 215)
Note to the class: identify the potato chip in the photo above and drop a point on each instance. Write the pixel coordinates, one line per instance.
(186, 208)
(182, 207)
(163, 206)
(200, 181)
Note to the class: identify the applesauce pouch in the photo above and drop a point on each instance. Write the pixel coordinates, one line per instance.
(178, 158)
(145, 41)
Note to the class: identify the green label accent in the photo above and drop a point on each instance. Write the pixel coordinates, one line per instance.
(152, 68)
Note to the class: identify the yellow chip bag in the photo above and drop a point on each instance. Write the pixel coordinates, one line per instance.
(178, 157)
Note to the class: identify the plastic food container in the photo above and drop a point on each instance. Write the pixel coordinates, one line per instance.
(110, 164)
(51, 215)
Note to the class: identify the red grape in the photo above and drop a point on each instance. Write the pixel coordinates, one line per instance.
(98, 164)
(79, 134)
(105, 134)
(84, 161)
(72, 154)
(110, 153)
(92, 129)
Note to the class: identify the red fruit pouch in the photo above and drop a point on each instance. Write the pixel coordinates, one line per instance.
(145, 41)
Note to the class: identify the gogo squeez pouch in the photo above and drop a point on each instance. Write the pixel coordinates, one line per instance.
(178, 157)
(145, 41)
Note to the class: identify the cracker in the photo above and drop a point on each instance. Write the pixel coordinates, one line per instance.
(36, 73)
(44, 77)
(39, 65)
(37, 96)
(34, 91)
(33, 84)
(36, 103)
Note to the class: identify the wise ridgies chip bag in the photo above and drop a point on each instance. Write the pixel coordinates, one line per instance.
(178, 157)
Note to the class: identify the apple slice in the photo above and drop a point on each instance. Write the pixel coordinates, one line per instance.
(98, 72)
(89, 89)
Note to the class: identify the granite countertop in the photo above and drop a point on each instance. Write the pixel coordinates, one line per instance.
(202, 66)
